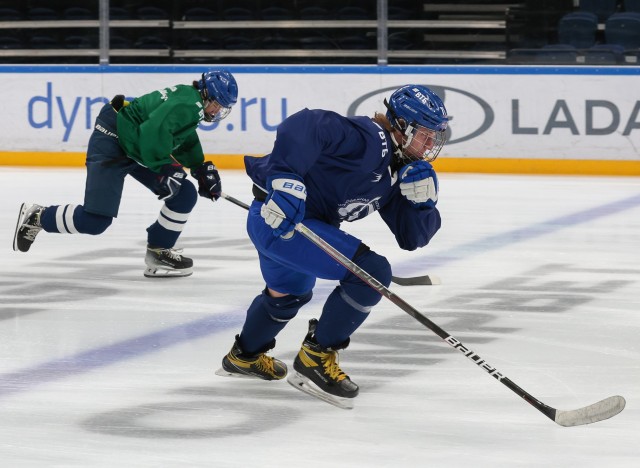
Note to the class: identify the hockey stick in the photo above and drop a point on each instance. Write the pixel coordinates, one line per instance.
(599, 411)
(425, 280)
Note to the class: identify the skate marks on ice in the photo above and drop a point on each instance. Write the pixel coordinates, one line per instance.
(210, 253)
(203, 413)
(400, 347)
(72, 277)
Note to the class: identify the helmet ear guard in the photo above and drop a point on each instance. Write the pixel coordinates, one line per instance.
(396, 122)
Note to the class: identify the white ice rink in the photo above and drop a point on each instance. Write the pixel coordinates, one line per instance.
(101, 367)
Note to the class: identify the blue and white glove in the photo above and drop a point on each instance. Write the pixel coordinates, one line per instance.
(419, 183)
(168, 183)
(284, 206)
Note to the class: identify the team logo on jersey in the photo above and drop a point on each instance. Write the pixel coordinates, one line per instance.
(376, 177)
(358, 208)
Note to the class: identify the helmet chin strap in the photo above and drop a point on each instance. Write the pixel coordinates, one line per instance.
(398, 160)
(397, 147)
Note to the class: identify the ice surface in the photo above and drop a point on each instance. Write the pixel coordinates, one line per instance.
(101, 367)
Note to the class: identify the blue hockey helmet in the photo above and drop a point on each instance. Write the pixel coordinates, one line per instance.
(415, 109)
(219, 86)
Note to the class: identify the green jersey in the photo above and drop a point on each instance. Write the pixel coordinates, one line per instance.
(158, 127)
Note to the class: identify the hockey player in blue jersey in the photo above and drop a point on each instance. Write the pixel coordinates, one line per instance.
(325, 169)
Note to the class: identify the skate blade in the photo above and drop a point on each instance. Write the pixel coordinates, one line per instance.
(224, 373)
(156, 272)
(307, 386)
(23, 210)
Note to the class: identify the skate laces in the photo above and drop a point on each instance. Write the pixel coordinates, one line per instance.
(32, 232)
(331, 366)
(173, 254)
(265, 363)
(32, 225)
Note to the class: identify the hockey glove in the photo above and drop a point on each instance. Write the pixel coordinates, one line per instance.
(209, 183)
(419, 183)
(169, 181)
(284, 206)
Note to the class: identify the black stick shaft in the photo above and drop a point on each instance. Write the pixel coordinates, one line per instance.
(599, 411)
(405, 306)
(235, 201)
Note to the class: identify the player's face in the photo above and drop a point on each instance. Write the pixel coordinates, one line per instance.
(213, 107)
(419, 143)
(214, 111)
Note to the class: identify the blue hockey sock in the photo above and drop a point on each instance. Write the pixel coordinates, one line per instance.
(349, 304)
(73, 219)
(341, 316)
(172, 218)
(266, 317)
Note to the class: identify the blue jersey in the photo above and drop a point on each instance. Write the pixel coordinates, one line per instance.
(345, 163)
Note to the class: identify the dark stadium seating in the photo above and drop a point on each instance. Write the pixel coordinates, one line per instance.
(489, 29)
(623, 29)
(578, 29)
(632, 6)
(601, 8)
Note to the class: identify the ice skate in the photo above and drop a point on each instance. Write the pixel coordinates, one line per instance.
(257, 365)
(317, 372)
(166, 263)
(27, 227)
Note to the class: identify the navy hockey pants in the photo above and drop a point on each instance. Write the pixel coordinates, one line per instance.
(107, 167)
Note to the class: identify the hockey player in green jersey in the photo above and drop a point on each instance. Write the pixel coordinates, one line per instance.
(151, 139)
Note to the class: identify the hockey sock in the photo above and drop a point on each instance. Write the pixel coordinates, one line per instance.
(72, 219)
(266, 317)
(172, 218)
(349, 304)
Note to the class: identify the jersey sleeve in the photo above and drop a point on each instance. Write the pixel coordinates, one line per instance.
(411, 227)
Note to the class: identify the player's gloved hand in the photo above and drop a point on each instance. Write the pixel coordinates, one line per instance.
(285, 203)
(209, 183)
(169, 181)
(419, 183)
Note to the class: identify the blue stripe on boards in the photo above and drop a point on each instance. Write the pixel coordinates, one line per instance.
(320, 69)
(87, 361)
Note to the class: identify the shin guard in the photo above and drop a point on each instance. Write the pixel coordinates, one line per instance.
(267, 316)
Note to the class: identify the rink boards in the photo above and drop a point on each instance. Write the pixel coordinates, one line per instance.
(552, 120)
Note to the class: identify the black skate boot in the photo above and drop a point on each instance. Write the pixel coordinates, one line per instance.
(28, 226)
(257, 365)
(318, 373)
(166, 263)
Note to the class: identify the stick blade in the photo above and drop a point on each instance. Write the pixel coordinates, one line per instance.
(426, 280)
(599, 411)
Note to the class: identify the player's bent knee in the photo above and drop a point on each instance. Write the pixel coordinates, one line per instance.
(356, 289)
(284, 308)
(90, 223)
(376, 265)
(186, 198)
